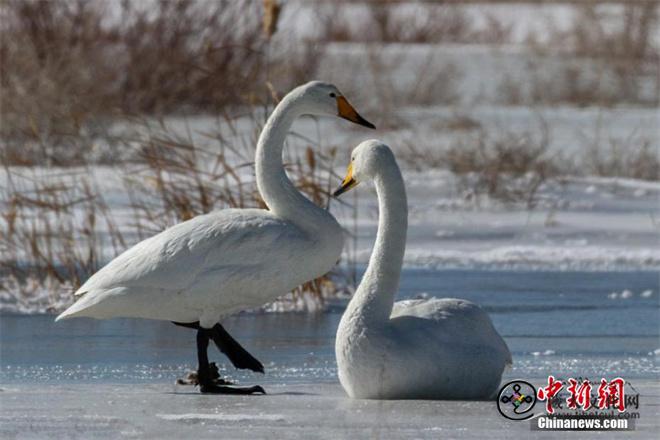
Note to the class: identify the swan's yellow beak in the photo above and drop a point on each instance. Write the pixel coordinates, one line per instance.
(348, 183)
(346, 111)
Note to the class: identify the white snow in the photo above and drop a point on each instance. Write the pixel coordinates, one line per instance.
(626, 294)
(536, 257)
(543, 353)
(647, 293)
(223, 417)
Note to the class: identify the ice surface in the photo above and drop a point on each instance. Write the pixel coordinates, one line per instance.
(303, 411)
(93, 379)
(87, 379)
(223, 417)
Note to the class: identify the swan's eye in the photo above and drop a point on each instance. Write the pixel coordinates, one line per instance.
(332, 95)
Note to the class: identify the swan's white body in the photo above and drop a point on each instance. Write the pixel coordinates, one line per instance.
(416, 349)
(219, 263)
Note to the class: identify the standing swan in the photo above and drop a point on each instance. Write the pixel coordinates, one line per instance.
(213, 265)
(415, 349)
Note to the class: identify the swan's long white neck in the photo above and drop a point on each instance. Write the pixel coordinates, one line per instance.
(277, 191)
(374, 298)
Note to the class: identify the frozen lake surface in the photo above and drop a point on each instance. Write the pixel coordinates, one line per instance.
(319, 411)
(96, 379)
(584, 323)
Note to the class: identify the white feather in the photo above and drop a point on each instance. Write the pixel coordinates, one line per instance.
(219, 263)
(413, 349)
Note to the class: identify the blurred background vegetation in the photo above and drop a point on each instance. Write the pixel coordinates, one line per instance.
(89, 83)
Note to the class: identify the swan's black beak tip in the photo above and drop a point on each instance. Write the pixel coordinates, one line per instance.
(348, 184)
(359, 120)
(365, 123)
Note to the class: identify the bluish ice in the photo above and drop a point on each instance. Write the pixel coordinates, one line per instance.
(105, 379)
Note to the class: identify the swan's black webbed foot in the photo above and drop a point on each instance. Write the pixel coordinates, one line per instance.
(211, 388)
(193, 377)
(210, 383)
(207, 375)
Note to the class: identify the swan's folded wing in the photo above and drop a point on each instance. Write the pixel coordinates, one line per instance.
(439, 309)
(174, 258)
(453, 319)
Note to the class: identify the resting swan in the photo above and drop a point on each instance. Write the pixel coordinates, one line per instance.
(213, 265)
(415, 349)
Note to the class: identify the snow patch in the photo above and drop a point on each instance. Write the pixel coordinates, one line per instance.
(223, 417)
(543, 353)
(627, 294)
(547, 257)
(646, 294)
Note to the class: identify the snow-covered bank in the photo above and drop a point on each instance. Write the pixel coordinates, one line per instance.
(535, 257)
(577, 223)
(580, 224)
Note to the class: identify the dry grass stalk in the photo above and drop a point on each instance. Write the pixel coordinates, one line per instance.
(68, 68)
(608, 55)
(507, 166)
(55, 234)
(271, 16)
(55, 231)
(74, 68)
(387, 21)
(510, 168)
(630, 157)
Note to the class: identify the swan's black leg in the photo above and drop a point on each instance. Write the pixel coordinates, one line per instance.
(233, 350)
(238, 356)
(206, 382)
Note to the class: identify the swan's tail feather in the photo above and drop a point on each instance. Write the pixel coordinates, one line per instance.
(89, 304)
(75, 310)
